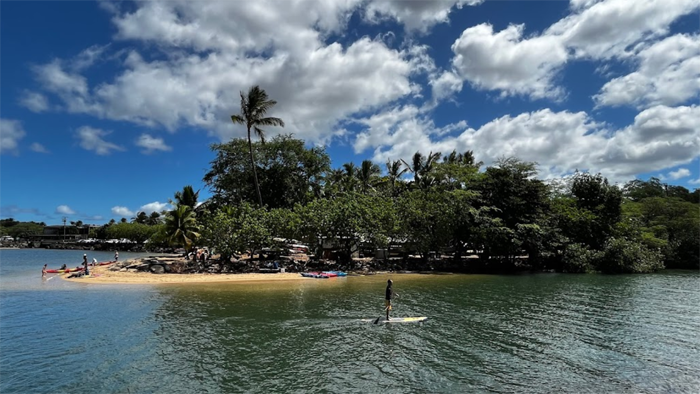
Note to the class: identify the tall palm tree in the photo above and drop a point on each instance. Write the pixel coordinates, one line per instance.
(254, 107)
(395, 171)
(153, 219)
(181, 227)
(187, 197)
(367, 174)
(350, 176)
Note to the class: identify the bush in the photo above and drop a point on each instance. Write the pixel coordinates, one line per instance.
(579, 258)
(621, 255)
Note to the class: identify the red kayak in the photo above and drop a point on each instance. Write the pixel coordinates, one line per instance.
(64, 271)
(106, 262)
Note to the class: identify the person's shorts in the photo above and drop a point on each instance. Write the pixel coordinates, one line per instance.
(387, 304)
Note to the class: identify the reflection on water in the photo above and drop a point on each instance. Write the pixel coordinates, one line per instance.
(531, 333)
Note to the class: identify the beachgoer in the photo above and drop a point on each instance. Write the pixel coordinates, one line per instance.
(43, 271)
(64, 267)
(387, 299)
(116, 256)
(94, 261)
(86, 270)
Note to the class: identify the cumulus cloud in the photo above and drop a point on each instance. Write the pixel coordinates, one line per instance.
(417, 15)
(35, 102)
(612, 28)
(37, 147)
(11, 131)
(694, 181)
(122, 211)
(561, 142)
(155, 206)
(506, 61)
(92, 139)
(151, 144)
(679, 173)
(668, 73)
(64, 210)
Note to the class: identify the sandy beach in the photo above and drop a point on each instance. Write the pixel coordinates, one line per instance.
(102, 274)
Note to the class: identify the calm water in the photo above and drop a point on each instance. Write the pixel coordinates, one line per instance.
(534, 333)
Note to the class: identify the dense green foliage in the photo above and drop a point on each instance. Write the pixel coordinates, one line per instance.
(502, 214)
(20, 230)
(137, 232)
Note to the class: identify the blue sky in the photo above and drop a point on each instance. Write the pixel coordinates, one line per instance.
(107, 109)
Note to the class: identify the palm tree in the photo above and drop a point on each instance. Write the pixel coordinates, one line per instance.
(395, 171)
(367, 174)
(187, 197)
(153, 219)
(350, 177)
(140, 218)
(181, 226)
(418, 163)
(254, 106)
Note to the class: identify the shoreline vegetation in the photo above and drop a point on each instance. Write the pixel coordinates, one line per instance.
(434, 212)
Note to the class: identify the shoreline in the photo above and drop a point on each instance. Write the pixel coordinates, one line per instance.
(101, 274)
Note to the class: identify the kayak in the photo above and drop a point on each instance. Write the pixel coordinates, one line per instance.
(336, 273)
(56, 271)
(106, 262)
(319, 275)
(329, 274)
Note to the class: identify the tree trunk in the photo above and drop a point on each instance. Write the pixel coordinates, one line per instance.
(255, 172)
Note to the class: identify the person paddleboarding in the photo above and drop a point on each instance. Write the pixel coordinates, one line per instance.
(388, 297)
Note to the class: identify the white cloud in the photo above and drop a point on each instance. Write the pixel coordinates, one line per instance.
(506, 61)
(122, 211)
(64, 210)
(668, 73)
(35, 102)
(445, 85)
(561, 142)
(92, 139)
(37, 147)
(515, 65)
(151, 144)
(679, 173)
(612, 28)
(11, 131)
(415, 14)
(155, 206)
(694, 181)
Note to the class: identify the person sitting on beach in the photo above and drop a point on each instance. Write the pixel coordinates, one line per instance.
(94, 261)
(64, 267)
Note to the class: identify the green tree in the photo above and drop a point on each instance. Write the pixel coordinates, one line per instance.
(254, 107)
(153, 219)
(141, 218)
(289, 173)
(133, 231)
(368, 176)
(187, 197)
(240, 229)
(181, 227)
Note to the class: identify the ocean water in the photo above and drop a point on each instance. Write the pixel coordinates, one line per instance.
(485, 333)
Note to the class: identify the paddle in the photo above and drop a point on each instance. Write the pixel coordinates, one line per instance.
(380, 316)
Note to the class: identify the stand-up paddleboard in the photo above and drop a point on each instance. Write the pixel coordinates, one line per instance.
(397, 320)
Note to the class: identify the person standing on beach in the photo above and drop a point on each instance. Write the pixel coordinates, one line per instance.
(86, 270)
(43, 271)
(388, 297)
